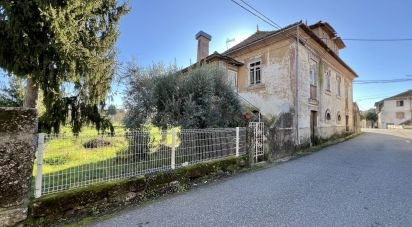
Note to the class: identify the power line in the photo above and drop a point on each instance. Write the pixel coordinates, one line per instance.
(263, 15)
(267, 20)
(371, 98)
(385, 93)
(380, 81)
(256, 15)
(302, 38)
(378, 40)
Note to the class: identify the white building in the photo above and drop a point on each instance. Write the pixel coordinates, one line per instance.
(395, 111)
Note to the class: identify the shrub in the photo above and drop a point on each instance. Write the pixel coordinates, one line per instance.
(198, 98)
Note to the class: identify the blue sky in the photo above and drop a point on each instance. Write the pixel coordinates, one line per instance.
(163, 31)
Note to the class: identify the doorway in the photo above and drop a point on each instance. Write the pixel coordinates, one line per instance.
(347, 123)
(313, 125)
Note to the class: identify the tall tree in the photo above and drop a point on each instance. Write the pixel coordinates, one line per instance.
(53, 42)
(372, 116)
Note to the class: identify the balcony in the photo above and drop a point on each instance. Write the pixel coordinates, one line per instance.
(313, 98)
(313, 92)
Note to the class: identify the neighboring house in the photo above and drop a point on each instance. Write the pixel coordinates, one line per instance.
(395, 111)
(262, 69)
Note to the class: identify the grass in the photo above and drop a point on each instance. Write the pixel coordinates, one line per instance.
(67, 151)
(66, 160)
(67, 163)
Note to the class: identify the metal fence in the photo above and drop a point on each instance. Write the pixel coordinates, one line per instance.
(67, 162)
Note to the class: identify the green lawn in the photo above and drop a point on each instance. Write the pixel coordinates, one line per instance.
(66, 151)
(67, 163)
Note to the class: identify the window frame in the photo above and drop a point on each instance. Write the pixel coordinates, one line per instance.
(255, 68)
(313, 71)
(338, 85)
(328, 80)
(235, 85)
(328, 116)
(400, 103)
(338, 117)
(397, 115)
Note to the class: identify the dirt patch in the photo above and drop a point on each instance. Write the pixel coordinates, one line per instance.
(96, 143)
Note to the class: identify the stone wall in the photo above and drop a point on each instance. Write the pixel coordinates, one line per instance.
(17, 147)
(100, 198)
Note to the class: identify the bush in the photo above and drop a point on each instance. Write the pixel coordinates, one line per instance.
(198, 98)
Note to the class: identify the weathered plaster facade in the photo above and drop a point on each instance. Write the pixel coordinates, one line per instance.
(295, 75)
(275, 80)
(330, 102)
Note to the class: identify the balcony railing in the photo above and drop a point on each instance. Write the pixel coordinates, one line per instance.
(313, 92)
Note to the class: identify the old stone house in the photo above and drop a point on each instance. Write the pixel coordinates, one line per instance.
(395, 111)
(293, 77)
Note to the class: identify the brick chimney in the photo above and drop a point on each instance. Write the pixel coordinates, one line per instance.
(203, 40)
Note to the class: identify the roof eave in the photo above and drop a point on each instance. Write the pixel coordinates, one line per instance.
(278, 32)
(323, 44)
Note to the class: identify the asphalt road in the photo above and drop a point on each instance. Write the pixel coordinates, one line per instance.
(366, 181)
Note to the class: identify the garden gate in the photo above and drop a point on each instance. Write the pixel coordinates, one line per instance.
(257, 140)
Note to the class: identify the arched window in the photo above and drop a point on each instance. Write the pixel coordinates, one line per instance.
(339, 117)
(327, 115)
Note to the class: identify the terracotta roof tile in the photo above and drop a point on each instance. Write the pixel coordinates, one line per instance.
(257, 36)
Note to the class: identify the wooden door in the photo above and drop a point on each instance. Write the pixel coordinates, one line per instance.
(313, 125)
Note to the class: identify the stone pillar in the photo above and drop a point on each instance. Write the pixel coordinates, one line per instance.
(17, 149)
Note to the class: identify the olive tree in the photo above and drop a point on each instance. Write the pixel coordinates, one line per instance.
(198, 98)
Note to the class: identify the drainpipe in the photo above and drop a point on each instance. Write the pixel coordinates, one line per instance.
(297, 84)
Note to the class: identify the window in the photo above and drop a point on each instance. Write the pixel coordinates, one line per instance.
(327, 80)
(232, 79)
(338, 117)
(313, 76)
(327, 115)
(313, 73)
(400, 115)
(255, 75)
(399, 103)
(338, 85)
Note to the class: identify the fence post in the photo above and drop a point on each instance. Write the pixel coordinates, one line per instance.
(173, 161)
(40, 149)
(237, 141)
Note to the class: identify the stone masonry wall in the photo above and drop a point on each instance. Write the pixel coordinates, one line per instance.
(17, 147)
